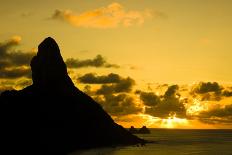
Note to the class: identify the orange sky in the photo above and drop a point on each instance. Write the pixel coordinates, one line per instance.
(156, 43)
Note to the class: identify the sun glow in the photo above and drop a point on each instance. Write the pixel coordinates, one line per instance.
(173, 121)
(149, 120)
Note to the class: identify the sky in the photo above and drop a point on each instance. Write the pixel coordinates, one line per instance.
(136, 49)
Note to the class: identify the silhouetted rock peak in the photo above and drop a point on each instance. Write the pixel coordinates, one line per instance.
(54, 113)
(48, 68)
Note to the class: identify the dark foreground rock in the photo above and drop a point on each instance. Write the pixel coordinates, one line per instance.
(52, 116)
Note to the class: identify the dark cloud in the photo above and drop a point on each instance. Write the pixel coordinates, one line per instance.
(227, 93)
(19, 58)
(171, 91)
(210, 91)
(13, 63)
(165, 105)
(211, 97)
(106, 89)
(3, 64)
(149, 98)
(216, 120)
(6, 46)
(124, 85)
(206, 87)
(120, 104)
(9, 57)
(219, 112)
(98, 61)
(24, 83)
(88, 90)
(15, 73)
(219, 115)
(91, 78)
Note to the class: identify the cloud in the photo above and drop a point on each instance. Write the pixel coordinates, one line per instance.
(221, 112)
(6, 46)
(19, 58)
(13, 84)
(206, 87)
(98, 61)
(171, 91)
(111, 16)
(168, 107)
(124, 85)
(109, 84)
(207, 91)
(227, 93)
(210, 91)
(15, 73)
(87, 90)
(4, 88)
(91, 78)
(14, 64)
(23, 83)
(164, 105)
(120, 104)
(217, 115)
(149, 98)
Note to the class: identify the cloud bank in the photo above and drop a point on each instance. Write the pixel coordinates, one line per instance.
(124, 85)
(97, 62)
(111, 16)
(165, 105)
(210, 91)
(119, 104)
(14, 63)
(91, 78)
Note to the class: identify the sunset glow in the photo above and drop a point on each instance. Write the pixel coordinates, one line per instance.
(173, 121)
(196, 107)
(162, 64)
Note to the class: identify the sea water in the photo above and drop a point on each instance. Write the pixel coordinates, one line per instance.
(175, 142)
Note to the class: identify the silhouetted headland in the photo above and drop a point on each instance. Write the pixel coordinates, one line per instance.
(143, 130)
(52, 116)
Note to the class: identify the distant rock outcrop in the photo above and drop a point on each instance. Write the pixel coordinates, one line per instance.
(133, 130)
(143, 130)
(52, 116)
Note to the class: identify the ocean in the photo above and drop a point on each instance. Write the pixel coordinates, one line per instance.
(175, 142)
